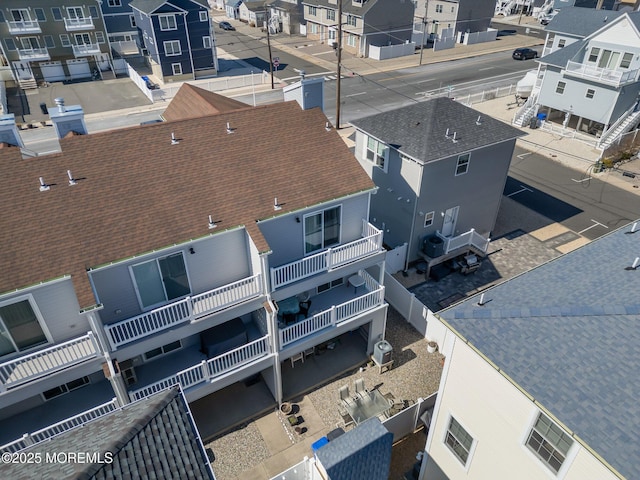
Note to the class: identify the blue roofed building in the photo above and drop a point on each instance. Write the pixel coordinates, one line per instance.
(540, 372)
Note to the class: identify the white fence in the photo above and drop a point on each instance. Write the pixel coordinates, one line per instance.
(395, 259)
(410, 419)
(480, 37)
(443, 43)
(391, 51)
(137, 79)
(214, 84)
(406, 304)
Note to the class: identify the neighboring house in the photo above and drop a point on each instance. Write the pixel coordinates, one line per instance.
(474, 15)
(589, 81)
(232, 8)
(254, 13)
(440, 168)
(178, 38)
(193, 102)
(121, 26)
(53, 40)
(152, 438)
(539, 378)
(435, 17)
(286, 16)
(202, 251)
(364, 23)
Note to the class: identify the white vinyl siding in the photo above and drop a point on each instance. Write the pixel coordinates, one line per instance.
(549, 442)
(458, 441)
(377, 153)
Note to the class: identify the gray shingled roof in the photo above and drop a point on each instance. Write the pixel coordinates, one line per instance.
(568, 333)
(419, 130)
(580, 22)
(347, 6)
(152, 438)
(561, 56)
(363, 453)
(150, 6)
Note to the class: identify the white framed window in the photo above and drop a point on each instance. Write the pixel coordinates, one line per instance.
(163, 350)
(160, 280)
(10, 43)
(56, 13)
(351, 40)
(331, 15)
(560, 88)
(377, 153)
(48, 41)
(626, 60)
(328, 286)
(114, 3)
(172, 48)
(132, 20)
(204, 16)
(462, 165)
(75, 12)
(93, 11)
(561, 43)
(66, 388)
(64, 40)
(549, 442)
(428, 219)
(99, 37)
(459, 441)
(167, 22)
(82, 39)
(40, 16)
(322, 229)
(314, 28)
(21, 326)
(593, 54)
(176, 68)
(312, 10)
(332, 34)
(352, 20)
(590, 93)
(438, 8)
(206, 42)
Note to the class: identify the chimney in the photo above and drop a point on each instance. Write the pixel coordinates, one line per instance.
(9, 131)
(68, 119)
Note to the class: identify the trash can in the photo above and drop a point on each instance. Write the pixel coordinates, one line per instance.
(541, 116)
(43, 107)
(533, 123)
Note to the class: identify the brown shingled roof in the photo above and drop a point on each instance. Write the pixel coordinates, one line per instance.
(193, 102)
(136, 191)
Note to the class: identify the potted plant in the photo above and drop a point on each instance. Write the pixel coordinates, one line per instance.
(431, 346)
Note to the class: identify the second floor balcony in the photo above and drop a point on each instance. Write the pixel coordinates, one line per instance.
(78, 23)
(616, 78)
(86, 50)
(329, 259)
(188, 309)
(34, 54)
(21, 27)
(48, 360)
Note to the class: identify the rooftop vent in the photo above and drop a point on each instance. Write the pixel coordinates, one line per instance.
(229, 129)
(72, 181)
(212, 224)
(43, 186)
(478, 121)
(174, 140)
(276, 205)
(634, 228)
(60, 103)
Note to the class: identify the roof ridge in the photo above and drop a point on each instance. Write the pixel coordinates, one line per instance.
(481, 312)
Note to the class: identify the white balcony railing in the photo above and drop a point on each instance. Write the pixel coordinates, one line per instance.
(603, 75)
(329, 259)
(208, 370)
(78, 23)
(188, 309)
(24, 26)
(33, 54)
(29, 439)
(332, 317)
(86, 49)
(48, 360)
(463, 240)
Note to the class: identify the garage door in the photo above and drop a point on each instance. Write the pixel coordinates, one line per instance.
(79, 68)
(52, 71)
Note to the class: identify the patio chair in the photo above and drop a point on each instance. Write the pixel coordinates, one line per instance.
(344, 395)
(359, 387)
(304, 308)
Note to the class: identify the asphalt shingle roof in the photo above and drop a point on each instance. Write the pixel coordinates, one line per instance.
(191, 102)
(561, 56)
(151, 438)
(567, 333)
(419, 130)
(150, 6)
(579, 21)
(136, 192)
(348, 6)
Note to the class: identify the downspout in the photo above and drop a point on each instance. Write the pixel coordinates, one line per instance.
(413, 221)
(186, 29)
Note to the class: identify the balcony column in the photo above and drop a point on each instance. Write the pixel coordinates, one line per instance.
(98, 329)
(275, 339)
(115, 378)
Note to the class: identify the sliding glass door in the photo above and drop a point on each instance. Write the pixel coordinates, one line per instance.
(160, 280)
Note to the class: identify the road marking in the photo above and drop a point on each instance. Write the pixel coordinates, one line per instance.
(595, 224)
(583, 180)
(487, 68)
(522, 155)
(356, 94)
(522, 189)
(322, 53)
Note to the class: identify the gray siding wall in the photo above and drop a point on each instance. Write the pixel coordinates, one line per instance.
(474, 15)
(218, 260)
(59, 308)
(396, 17)
(286, 236)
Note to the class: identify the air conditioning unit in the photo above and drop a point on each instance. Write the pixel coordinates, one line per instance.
(382, 352)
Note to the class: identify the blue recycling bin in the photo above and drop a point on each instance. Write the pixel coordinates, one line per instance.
(542, 117)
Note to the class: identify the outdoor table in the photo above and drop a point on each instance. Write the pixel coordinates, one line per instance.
(363, 408)
(289, 306)
(356, 281)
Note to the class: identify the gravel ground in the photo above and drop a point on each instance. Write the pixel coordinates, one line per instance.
(415, 374)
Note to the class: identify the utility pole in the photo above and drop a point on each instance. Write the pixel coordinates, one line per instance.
(269, 46)
(424, 29)
(521, 9)
(339, 53)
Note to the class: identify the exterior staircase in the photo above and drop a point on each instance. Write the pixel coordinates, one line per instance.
(623, 125)
(28, 83)
(526, 112)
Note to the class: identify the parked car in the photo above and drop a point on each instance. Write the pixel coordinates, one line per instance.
(226, 26)
(524, 54)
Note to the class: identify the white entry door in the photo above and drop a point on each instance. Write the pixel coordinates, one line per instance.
(449, 222)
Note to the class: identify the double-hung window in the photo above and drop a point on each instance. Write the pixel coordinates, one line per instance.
(206, 42)
(626, 60)
(322, 229)
(20, 328)
(204, 16)
(167, 22)
(438, 8)
(312, 10)
(458, 441)
(462, 166)
(351, 20)
(172, 48)
(560, 87)
(377, 153)
(331, 15)
(114, 3)
(549, 442)
(159, 280)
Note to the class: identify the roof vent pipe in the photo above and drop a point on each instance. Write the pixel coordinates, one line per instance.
(60, 103)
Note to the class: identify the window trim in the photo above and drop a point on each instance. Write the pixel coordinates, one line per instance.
(172, 42)
(66, 389)
(312, 10)
(590, 93)
(204, 16)
(352, 40)
(163, 350)
(60, 17)
(560, 86)
(323, 244)
(429, 217)
(132, 21)
(169, 27)
(40, 10)
(99, 37)
(463, 163)
(206, 42)
(594, 55)
(626, 64)
(470, 450)
(65, 40)
(377, 156)
(176, 68)
(114, 3)
(36, 311)
(331, 14)
(556, 449)
(156, 260)
(95, 9)
(352, 20)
